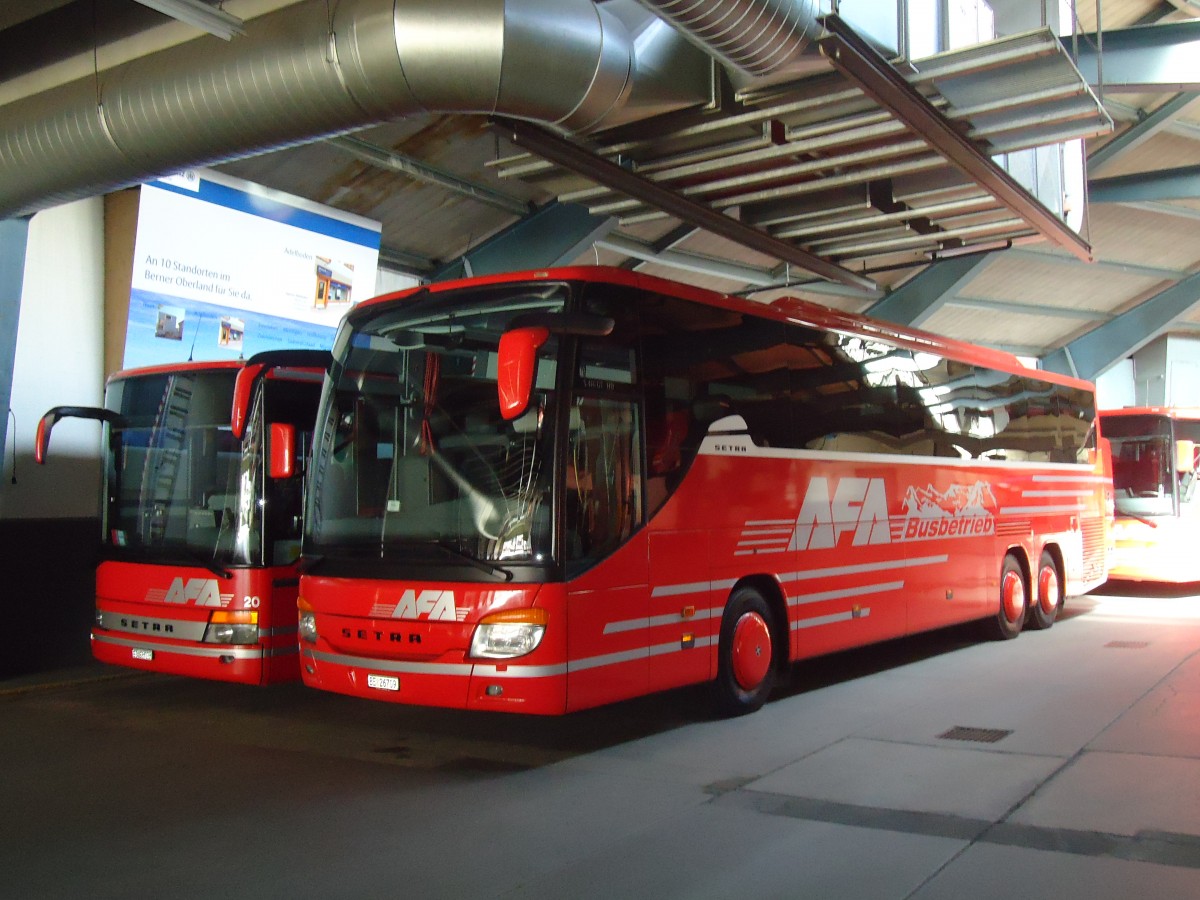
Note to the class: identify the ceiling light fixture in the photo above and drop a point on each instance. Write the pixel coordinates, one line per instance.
(215, 21)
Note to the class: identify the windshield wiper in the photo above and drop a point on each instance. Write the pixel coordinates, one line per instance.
(208, 563)
(480, 564)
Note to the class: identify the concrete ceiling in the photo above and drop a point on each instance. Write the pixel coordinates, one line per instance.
(435, 183)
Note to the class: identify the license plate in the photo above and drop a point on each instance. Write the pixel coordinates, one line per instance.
(146, 655)
(383, 682)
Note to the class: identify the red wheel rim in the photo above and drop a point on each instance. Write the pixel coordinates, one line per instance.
(1048, 589)
(751, 655)
(1013, 591)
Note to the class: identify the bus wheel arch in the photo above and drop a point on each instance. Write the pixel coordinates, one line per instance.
(1009, 618)
(1046, 600)
(752, 646)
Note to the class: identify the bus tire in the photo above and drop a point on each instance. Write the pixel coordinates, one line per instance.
(1014, 593)
(1049, 599)
(746, 663)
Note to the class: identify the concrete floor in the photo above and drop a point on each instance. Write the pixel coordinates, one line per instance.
(851, 783)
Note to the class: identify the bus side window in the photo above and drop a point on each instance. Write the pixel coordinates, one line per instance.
(603, 478)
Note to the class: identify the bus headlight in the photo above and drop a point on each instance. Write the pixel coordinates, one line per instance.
(308, 622)
(232, 627)
(512, 632)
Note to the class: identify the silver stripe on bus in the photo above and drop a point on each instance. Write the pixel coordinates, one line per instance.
(858, 591)
(768, 523)
(511, 671)
(817, 621)
(179, 629)
(656, 621)
(747, 449)
(765, 541)
(696, 587)
(759, 551)
(389, 665)
(1066, 493)
(754, 530)
(861, 568)
(1043, 509)
(212, 650)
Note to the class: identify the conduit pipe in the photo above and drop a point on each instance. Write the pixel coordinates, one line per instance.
(300, 74)
(757, 37)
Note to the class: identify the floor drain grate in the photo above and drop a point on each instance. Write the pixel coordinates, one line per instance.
(978, 735)
(1128, 645)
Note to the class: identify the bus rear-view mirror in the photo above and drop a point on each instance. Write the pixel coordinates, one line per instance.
(516, 366)
(41, 444)
(282, 460)
(517, 362)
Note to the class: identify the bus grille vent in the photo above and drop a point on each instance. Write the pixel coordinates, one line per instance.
(1018, 528)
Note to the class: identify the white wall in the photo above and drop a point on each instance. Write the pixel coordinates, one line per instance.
(59, 362)
(1114, 387)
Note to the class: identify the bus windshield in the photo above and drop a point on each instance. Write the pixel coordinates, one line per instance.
(1143, 480)
(179, 484)
(413, 457)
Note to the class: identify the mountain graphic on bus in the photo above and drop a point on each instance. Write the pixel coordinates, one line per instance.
(957, 501)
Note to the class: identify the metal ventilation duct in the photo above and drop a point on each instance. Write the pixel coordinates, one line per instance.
(303, 73)
(757, 37)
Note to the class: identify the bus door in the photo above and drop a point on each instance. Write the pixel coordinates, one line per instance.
(603, 544)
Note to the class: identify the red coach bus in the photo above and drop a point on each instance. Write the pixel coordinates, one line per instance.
(1155, 453)
(202, 503)
(545, 491)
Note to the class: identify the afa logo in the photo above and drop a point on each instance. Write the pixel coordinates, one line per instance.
(430, 605)
(199, 591)
(858, 507)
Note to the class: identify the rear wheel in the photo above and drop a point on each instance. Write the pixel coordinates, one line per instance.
(1043, 609)
(746, 662)
(1007, 622)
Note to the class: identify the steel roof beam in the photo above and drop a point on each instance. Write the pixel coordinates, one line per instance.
(1163, 184)
(688, 262)
(915, 301)
(879, 80)
(382, 158)
(1091, 354)
(1137, 134)
(577, 159)
(552, 236)
(1142, 59)
(1125, 268)
(1029, 309)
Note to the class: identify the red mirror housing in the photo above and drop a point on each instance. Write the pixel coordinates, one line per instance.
(516, 367)
(282, 462)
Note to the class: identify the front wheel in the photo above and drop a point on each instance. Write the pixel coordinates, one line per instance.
(746, 663)
(1043, 610)
(1007, 622)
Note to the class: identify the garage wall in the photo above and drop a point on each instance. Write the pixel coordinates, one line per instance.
(59, 360)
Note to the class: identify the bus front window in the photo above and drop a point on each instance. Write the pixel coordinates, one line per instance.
(414, 459)
(1143, 478)
(178, 484)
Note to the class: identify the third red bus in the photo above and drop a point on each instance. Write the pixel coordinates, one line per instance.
(545, 491)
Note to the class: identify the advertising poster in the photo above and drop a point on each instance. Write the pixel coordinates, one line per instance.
(225, 269)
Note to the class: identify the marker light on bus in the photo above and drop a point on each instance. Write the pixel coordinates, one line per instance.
(308, 622)
(509, 633)
(232, 627)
